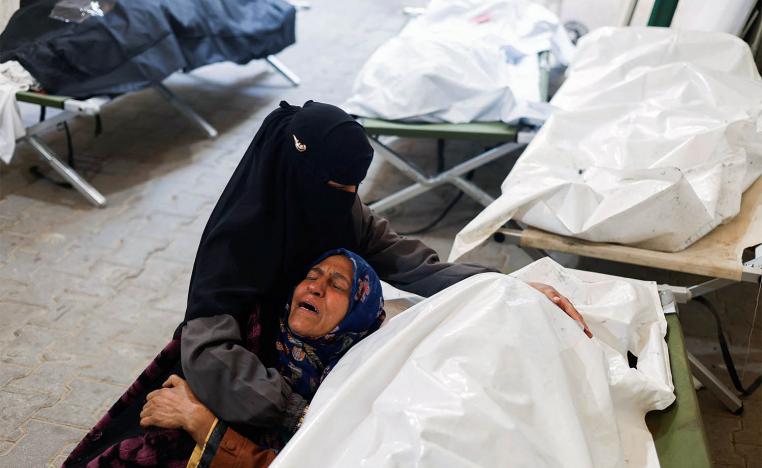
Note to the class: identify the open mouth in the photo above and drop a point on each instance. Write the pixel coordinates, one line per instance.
(307, 306)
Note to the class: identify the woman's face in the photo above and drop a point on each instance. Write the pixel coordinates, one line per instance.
(321, 300)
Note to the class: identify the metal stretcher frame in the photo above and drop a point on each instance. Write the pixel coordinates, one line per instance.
(489, 133)
(678, 431)
(73, 107)
(710, 256)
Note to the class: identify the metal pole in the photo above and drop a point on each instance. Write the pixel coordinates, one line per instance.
(185, 109)
(71, 176)
(281, 68)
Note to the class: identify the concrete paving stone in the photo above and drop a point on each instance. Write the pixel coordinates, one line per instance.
(16, 408)
(752, 417)
(32, 224)
(14, 316)
(67, 311)
(44, 284)
(124, 364)
(110, 235)
(62, 456)
(156, 275)
(752, 453)
(79, 258)
(127, 306)
(12, 205)
(184, 203)
(119, 189)
(27, 346)
(81, 403)
(9, 372)
(182, 248)
(6, 223)
(46, 192)
(13, 179)
(41, 444)
(196, 227)
(22, 263)
(163, 224)
(747, 437)
(163, 324)
(9, 243)
(135, 250)
(5, 447)
(105, 278)
(48, 377)
(175, 299)
(727, 456)
(86, 348)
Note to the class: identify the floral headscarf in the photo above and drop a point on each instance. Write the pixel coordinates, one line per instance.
(304, 362)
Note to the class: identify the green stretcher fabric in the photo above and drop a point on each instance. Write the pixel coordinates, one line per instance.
(40, 99)
(678, 431)
(492, 131)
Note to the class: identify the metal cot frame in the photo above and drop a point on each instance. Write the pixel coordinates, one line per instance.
(72, 108)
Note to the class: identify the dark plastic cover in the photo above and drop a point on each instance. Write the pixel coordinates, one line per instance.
(141, 42)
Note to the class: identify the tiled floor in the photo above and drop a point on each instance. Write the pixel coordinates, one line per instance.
(88, 296)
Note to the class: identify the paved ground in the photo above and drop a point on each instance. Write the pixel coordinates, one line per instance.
(87, 296)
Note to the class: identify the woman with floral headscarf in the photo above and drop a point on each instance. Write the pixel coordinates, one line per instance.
(337, 304)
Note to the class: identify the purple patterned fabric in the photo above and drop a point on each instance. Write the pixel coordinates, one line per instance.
(117, 439)
(142, 449)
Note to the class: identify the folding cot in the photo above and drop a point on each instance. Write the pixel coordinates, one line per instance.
(71, 108)
(490, 133)
(501, 138)
(135, 45)
(729, 254)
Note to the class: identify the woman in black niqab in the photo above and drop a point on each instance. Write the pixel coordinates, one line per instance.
(278, 211)
(276, 215)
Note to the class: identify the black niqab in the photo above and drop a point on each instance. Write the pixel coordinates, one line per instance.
(278, 212)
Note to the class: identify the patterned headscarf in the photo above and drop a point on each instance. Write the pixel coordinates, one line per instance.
(304, 362)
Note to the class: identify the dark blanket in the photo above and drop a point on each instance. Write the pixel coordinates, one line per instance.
(141, 42)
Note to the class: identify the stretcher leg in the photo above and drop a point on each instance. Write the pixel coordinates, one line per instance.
(185, 110)
(714, 385)
(71, 176)
(281, 68)
(425, 183)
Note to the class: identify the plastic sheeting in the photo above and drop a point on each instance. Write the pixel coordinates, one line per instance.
(490, 373)
(462, 61)
(13, 78)
(656, 138)
(141, 42)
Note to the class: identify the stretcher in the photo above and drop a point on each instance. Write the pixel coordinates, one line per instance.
(71, 108)
(500, 138)
(729, 254)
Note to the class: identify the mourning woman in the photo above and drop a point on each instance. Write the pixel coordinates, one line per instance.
(292, 197)
(337, 304)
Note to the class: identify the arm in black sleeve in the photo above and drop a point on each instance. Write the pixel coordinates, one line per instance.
(231, 380)
(408, 264)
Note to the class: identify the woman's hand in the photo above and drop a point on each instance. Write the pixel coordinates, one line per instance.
(563, 303)
(176, 407)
